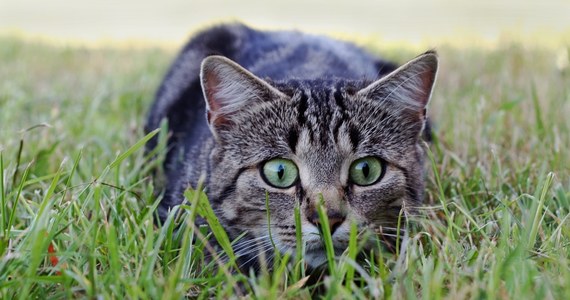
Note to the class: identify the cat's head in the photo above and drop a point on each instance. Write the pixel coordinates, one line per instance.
(354, 145)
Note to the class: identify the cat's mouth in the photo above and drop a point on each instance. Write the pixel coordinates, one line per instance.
(338, 250)
(317, 257)
(316, 254)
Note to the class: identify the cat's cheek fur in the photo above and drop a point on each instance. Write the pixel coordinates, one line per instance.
(372, 201)
(248, 208)
(244, 208)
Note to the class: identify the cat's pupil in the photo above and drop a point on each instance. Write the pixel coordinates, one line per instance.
(280, 171)
(365, 169)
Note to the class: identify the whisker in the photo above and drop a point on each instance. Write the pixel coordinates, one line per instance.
(247, 248)
(240, 245)
(270, 258)
(261, 250)
(245, 243)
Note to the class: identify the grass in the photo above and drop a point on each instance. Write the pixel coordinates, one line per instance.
(77, 199)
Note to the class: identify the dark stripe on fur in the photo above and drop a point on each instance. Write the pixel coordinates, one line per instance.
(336, 129)
(339, 100)
(301, 109)
(229, 189)
(354, 137)
(300, 193)
(292, 139)
(410, 191)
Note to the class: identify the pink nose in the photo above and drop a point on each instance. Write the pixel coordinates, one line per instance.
(335, 218)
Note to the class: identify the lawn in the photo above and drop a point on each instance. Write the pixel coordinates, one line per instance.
(77, 197)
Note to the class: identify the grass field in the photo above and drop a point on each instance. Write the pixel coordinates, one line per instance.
(77, 199)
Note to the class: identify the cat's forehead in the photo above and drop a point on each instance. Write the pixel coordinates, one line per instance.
(316, 101)
(322, 115)
(334, 118)
(324, 120)
(320, 87)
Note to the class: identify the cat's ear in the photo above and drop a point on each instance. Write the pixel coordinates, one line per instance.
(410, 86)
(229, 88)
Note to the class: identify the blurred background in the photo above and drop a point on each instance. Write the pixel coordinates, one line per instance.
(409, 21)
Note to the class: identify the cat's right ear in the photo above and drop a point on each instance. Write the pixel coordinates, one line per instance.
(410, 86)
(229, 88)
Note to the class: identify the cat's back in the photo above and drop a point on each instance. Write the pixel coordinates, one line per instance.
(283, 55)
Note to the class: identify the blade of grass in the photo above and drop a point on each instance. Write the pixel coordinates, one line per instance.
(17, 198)
(151, 261)
(205, 211)
(38, 238)
(113, 246)
(398, 230)
(133, 148)
(326, 234)
(276, 251)
(279, 269)
(538, 210)
(441, 193)
(182, 266)
(537, 110)
(18, 159)
(3, 208)
(299, 245)
(4, 238)
(268, 216)
(352, 251)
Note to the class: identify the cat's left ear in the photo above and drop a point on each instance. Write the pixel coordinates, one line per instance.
(229, 88)
(410, 86)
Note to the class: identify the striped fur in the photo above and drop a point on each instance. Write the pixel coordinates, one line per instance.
(318, 102)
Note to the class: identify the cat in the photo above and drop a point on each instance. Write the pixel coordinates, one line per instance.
(300, 118)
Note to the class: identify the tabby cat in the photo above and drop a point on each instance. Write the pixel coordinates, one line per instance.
(299, 118)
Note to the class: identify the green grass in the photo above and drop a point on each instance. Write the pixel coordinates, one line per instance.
(74, 179)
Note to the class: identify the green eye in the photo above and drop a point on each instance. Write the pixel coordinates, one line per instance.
(279, 172)
(366, 171)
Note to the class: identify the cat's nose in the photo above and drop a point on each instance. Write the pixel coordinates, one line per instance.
(336, 218)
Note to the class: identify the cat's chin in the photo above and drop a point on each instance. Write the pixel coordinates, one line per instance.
(316, 258)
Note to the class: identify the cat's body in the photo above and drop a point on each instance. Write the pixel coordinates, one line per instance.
(311, 121)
